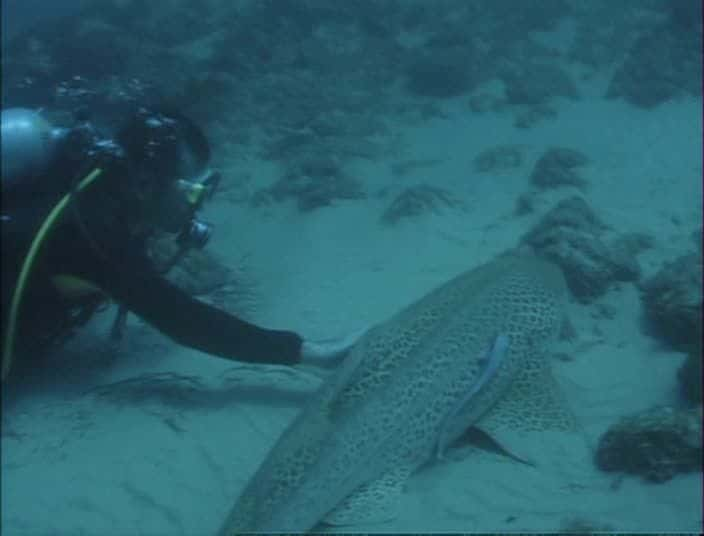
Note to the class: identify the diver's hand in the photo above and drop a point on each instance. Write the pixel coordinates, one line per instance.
(330, 352)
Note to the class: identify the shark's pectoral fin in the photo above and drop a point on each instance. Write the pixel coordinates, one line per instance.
(533, 423)
(374, 502)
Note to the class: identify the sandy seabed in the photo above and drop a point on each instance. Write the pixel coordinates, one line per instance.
(168, 454)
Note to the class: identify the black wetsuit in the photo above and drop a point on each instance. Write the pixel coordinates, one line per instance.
(93, 244)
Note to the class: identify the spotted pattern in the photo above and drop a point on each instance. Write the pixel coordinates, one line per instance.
(385, 407)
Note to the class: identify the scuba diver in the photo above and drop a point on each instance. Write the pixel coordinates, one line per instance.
(78, 208)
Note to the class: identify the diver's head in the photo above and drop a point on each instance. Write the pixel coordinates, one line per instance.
(28, 146)
(169, 173)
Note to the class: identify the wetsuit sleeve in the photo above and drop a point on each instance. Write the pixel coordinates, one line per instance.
(193, 323)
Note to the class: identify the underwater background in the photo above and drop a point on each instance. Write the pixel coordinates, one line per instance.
(370, 151)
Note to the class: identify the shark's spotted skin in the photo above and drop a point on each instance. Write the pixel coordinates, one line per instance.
(346, 456)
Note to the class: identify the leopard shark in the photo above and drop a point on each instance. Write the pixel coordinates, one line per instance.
(472, 353)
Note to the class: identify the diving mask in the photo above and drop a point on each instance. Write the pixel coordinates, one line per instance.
(196, 233)
(198, 191)
(175, 209)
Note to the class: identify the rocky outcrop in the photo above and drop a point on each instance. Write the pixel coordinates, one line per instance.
(558, 167)
(665, 62)
(416, 201)
(672, 300)
(574, 238)
(656, 444)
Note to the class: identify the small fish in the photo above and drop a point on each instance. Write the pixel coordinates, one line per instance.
(490, 361)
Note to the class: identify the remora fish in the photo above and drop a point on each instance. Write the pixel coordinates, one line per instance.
(491, 361)
(345, 458)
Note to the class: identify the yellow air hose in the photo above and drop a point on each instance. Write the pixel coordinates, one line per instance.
(27, 265)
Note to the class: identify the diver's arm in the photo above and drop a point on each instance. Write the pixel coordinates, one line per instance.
(129, 278)
(193, 323)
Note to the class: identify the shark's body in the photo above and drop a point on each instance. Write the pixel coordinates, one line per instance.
(402, 395)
